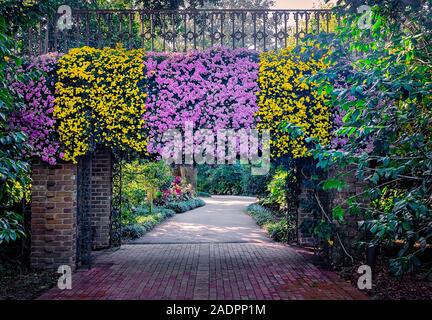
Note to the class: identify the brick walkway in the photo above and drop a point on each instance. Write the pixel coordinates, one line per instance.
(205, 271)
(214, 252)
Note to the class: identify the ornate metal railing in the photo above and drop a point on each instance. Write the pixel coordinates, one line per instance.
(176, 30)
(116, 201)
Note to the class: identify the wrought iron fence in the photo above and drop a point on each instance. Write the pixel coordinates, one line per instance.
(116, 201)
(177, 30)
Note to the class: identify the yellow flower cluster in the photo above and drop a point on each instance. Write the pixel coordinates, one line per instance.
(285, 97)
(100, 100)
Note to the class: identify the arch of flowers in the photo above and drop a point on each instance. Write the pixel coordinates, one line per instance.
(124, 100)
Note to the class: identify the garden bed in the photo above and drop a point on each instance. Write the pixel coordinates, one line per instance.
(388, 287)
(25, 285)
(276, 227)
(183, 206)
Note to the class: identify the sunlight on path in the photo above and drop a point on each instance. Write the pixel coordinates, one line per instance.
(222, 220)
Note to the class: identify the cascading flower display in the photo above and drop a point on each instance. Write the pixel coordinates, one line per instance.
(100, 100)
(36, 118)
(212, 89)
(126, 100)
(287, 99)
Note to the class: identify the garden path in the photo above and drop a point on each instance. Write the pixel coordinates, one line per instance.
(214, 252)
(221, 220)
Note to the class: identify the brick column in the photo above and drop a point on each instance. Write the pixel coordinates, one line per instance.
(53, 215)
(348, 231)
(353, 187)
(101, 197)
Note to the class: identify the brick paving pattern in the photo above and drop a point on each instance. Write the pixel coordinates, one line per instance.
(214, 252)
(205, 271)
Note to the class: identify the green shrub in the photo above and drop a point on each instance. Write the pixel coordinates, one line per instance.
(235, 179)
(224, 179)
(133, 231)
(145, 221)
(203, 194)
(197, 202)
(142, 182)
(260, 214)
(178, 207)
(183, 206)
(276, 190)
(168, 213)
(278, 230)
(255, 185)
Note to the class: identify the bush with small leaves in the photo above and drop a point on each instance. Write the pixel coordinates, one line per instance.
(277, 229)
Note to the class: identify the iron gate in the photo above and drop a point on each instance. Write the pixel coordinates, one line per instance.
(84, 225)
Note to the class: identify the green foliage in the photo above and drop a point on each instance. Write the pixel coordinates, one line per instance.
(235, 179)
(144, 221)
(277, 194)
(21, 14)
(380, 78)
(203, 194)
(255, 185)
(142, 182)
(338, 213)
(333, 183)
(221, 179)
(278, 229)
(321, 229)
(13, 168)
(10, 226)
(133, 231)
(261, 215)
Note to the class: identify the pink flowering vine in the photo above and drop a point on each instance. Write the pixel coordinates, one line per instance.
(36, 118)
(213, 89)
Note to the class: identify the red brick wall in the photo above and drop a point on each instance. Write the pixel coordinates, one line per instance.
(101, 198)
(349, 229)
(53, 215)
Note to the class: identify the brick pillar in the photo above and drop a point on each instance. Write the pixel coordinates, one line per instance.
(353, 187)
(329, 200)
(53, 215)
(101, 197)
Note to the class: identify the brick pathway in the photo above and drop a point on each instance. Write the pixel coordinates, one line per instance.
(205, 270)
